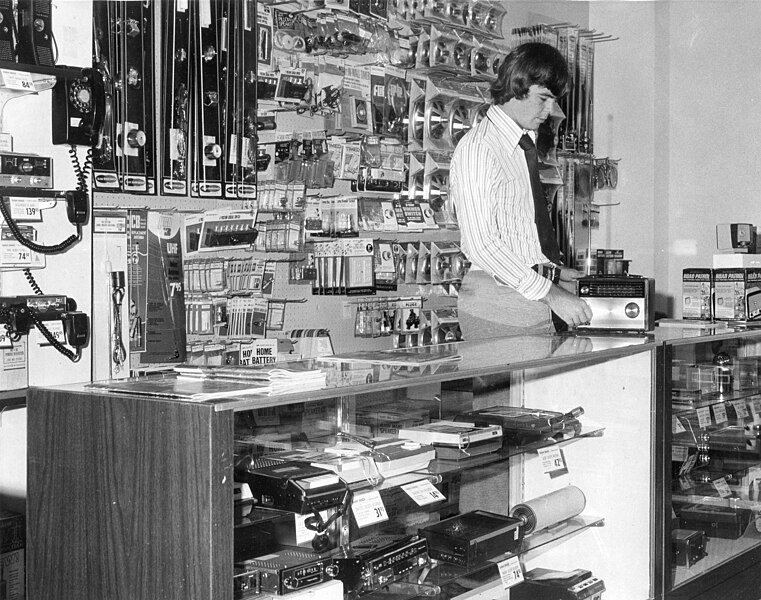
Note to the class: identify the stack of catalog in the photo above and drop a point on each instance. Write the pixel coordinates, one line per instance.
(270, 380)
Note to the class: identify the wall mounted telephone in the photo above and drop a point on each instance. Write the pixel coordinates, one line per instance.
(78, 108)
(35, 33)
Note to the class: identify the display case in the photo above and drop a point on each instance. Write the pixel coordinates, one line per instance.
(200, 486)
(713, 465)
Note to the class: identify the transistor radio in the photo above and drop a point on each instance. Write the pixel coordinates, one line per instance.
(622, 303)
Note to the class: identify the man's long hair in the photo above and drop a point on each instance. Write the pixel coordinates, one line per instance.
(533, 63)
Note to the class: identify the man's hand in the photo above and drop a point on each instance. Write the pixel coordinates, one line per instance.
(568, 279)
(566, 305)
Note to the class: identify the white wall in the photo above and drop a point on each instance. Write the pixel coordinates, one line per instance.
(677, 98)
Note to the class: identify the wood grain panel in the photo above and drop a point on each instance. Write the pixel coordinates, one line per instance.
(129, 498)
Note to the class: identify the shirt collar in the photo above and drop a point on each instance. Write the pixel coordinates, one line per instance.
(511, 131)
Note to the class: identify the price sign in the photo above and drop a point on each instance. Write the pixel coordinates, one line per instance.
(423, 492)
(56, 329)
(676, 425)
(368, 509)
(687, 465)
(741, 410)
(510, 572)
(5, 341)
(722, 487)
(704, 416)
(679, 453)
(17, 80)
(755, 408)
(720, 413)
(25, 209)
(553, 462)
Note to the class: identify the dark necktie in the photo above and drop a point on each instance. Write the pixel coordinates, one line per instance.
(547, 239)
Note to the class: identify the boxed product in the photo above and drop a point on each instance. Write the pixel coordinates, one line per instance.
(12, 543)
(729, 294)
(696, 293)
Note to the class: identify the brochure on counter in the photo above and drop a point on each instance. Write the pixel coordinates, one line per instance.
(410, 357)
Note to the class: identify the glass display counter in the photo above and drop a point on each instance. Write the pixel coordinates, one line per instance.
(470, 470)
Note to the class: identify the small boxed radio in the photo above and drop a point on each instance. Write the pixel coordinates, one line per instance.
(473, 537)
(294, 486)
(280, 572)
(26, 171)
(623, 303)
(547, 584)
(715, 521)
(376, 561)
(687, 546)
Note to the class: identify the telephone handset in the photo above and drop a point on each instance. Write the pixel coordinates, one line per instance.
(78, 108)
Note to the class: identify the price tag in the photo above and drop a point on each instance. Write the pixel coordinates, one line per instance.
(704, 416)
(368, 509)
(676, 425)
(755, 408)
(17, 80)
(5, 341)
(553, 462)
(304, 535)
(25, 209)
(722, 487)
(720, 413)
(423, 492)
(741, 410)
(510, 572)
(687, 465)
(55, 328)
(678, 453)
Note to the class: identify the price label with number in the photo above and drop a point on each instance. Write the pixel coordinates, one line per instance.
(676, 425)
(56, 330)
(704, 416)
(368, 509)
(25, 209)
(510, 572)
(17, 80)
(552, 459)
(423, 492)
(722, 487)
(720, 413)
(741, 410)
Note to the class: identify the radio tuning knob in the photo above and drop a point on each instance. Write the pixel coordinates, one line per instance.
(15, 179)
(36, 180)
(331, 570)
(39, 24)
(290, 583)
(212, 151)
(136, 138)
(26, 167)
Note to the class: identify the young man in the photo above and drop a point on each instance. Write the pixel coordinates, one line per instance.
(516, 282)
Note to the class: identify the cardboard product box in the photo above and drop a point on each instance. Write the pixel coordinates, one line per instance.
(697, 285)
(12, 562)
(753, 294)
(729, 294)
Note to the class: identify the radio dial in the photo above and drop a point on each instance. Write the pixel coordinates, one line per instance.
(290, 583)
(26, 167)
(212, 151)
(38, 24)
(136, 138)
(584, 290)
(331, 570)
(632, 310)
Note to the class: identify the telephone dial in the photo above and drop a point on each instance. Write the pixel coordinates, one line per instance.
(78, 108)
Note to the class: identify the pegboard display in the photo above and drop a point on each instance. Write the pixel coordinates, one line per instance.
(356, 114)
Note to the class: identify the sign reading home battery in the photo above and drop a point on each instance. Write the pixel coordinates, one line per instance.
(259, 352)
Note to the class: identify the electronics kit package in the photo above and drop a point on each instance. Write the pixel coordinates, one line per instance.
(473, 537)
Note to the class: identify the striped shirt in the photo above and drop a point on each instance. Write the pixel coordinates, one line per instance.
(490, 188)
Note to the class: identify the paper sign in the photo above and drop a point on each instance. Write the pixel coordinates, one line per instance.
(423, 492)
